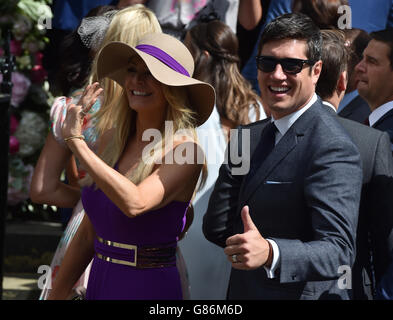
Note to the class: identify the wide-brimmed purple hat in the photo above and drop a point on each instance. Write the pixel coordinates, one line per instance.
(168, 60)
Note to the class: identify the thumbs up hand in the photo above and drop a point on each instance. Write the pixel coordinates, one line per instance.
(247, 221)
(248, 250)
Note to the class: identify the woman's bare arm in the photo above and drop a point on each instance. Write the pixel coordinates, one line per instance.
(77, 257)
(167, 183)
(46, 186)
(250, 13)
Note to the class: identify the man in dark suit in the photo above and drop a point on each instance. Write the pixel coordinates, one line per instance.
(289, 225)
(373, 244)
(353, 106)
(375, 84)
(357, 110)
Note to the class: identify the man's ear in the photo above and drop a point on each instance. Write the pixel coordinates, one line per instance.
(342, 82)
(316, 71)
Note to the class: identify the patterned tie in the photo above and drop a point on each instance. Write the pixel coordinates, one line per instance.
(265, 146)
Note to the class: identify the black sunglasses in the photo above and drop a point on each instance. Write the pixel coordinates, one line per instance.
(289, 65)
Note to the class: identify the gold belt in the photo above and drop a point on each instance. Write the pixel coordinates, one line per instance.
(144, 257)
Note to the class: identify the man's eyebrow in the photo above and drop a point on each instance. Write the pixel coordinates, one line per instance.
(371, 58)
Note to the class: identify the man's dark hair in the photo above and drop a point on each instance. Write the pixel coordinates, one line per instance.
(385, 36)
(294, 26)
(334, 62)
(75, 58)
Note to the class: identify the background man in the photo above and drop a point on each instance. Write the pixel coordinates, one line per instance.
(375, 213)
(376, 80)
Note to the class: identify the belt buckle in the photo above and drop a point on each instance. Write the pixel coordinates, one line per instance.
(123, 246)
(135, 248)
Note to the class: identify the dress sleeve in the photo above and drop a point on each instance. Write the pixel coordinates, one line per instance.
(58, 114)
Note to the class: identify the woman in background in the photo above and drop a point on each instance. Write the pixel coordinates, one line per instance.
(215, 50)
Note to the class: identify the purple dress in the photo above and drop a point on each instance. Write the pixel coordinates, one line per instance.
(109, 280)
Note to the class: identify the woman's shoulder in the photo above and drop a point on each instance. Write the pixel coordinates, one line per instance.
(184, 137)
(183, 149)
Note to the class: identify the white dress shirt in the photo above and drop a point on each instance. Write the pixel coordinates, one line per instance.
(283, 126)
(380, 112)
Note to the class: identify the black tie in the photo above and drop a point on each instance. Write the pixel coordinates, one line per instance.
(265, 146)
(366, 122)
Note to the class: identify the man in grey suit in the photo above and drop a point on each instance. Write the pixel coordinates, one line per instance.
(375, 84)
(373, 241)
(289, 225)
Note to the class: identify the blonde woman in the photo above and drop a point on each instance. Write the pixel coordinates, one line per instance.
(134, 197)
(128, 25)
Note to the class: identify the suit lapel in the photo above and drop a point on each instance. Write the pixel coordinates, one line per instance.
(386, 115)
(255, 137)
(281, 150)
(287, 143)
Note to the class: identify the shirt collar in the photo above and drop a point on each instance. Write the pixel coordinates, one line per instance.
(283, 124)
(327, 103)
(380, 112)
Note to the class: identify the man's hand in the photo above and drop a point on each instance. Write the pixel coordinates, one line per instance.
(249, 250)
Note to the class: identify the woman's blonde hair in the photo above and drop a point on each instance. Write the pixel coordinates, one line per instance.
(182, 121)
(128, 26)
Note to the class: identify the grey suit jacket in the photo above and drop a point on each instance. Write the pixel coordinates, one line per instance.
(357, 110)
(305, 196)
(373, 241)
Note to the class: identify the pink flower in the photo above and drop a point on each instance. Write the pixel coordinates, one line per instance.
(14, 145)
(38, 74)
(20, 87)
(16, 47)
(14, 123)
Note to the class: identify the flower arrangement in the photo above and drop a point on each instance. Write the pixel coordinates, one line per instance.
(30, 98)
